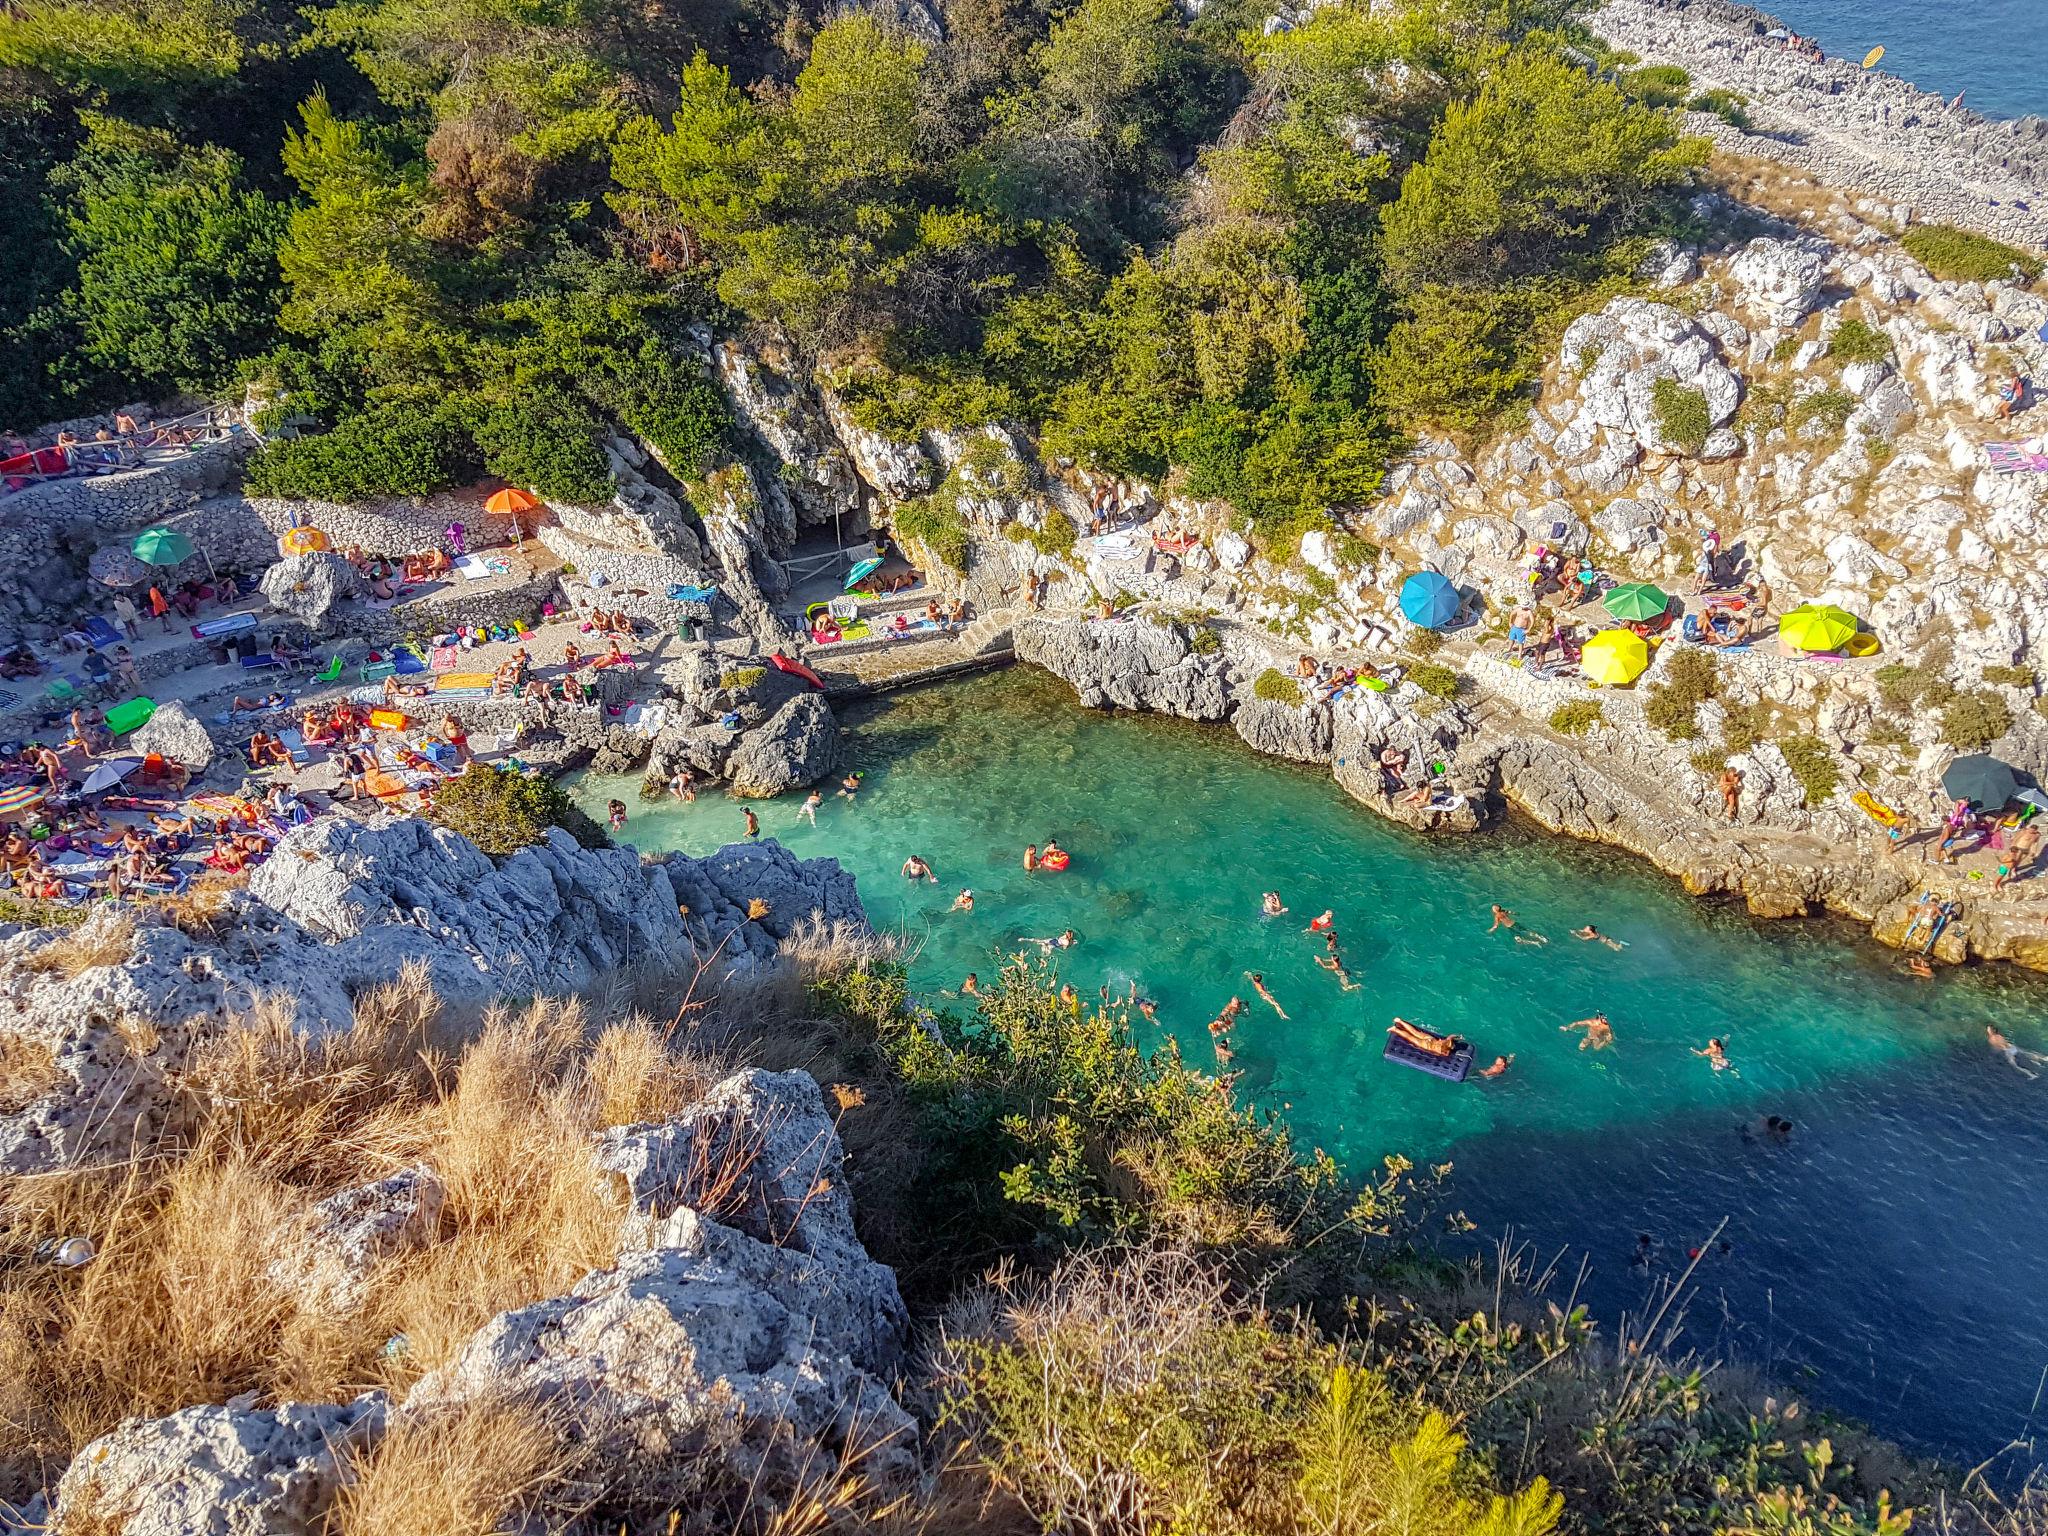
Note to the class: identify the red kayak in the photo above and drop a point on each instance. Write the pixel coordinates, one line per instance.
(797, 669)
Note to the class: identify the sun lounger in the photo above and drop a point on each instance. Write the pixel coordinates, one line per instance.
(230, 624)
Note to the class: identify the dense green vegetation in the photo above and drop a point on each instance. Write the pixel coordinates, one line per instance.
(1194, 1325)
(1960, 256)
(503, 812)
(464, 236)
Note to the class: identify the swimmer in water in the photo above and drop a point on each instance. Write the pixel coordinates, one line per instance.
(1322, 924)
(1589, 932)
(970, 986)
(1918, 965)
(753, 825)
(1774, 1128)
(1259, 986)
(809, 809)
(1335, 967)
(1503, 918)
(1599, 1033)
(1070, 999)
(1500, 1067)
(964, 902)
(2011, 1052)
(849, 786)
(1271, 905)
(1149, 1009)
(1030, 858)
(1717, 1055)
(915, 868)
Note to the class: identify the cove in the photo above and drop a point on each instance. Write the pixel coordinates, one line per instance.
(1885, 1260)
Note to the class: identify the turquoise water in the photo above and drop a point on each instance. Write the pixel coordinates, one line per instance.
(1991, 48)
(1891, 1249)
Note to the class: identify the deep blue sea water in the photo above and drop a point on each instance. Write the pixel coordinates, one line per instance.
(1889, 1258)
(1997, 50)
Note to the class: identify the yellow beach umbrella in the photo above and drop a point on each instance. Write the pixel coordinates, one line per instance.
(1615, 656)
(302, 540)
(1818, 627)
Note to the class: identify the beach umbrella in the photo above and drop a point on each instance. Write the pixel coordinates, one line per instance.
(1615, 656)
(113, 566)
(861, 571)
(302, 540)
(512, 502)
(1980, 778)
(114, 771)
(1636, 602)
(2034, 798)
(1429, 600)
(1817, 627)
(161, 546)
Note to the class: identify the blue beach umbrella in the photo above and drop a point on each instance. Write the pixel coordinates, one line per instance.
(1429, 600)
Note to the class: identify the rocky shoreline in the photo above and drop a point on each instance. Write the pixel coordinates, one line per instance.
(1601, 791)
(1858, 129)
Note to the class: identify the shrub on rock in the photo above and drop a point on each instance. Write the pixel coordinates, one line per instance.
(503, 812)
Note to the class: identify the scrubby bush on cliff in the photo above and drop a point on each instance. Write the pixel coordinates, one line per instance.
(1961, 256)
(2010, 677)
(503, 812)
(1815, 765)
(547, 444)
(1276, 687)
(412, 449)
(1971, 721)
(1857, 341)
(1683, 415)
(1434, 679)
(1674, 703)
(1729, 106)
(1575, 718)
(934, 525)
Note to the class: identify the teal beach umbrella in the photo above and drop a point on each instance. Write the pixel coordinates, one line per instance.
(1429, 600)
(161, 546)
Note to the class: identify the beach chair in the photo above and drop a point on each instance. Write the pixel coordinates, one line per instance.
(331, 673)
(261, 661)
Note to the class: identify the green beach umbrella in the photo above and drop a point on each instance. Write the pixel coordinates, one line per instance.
(1818, 627)
(1636, 602)
(162, 546)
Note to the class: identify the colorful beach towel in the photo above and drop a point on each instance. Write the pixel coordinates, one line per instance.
(443, 658)
(2015, 459)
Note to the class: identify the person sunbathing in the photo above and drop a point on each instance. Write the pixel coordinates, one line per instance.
(266, 750)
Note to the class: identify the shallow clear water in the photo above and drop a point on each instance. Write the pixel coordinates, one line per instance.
(1892, 1249)
(1991, 48)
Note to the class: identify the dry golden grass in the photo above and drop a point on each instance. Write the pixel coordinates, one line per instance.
(202, 907)
(102, 940)
(178, 1305)
(466, 1469)
(28, 1070)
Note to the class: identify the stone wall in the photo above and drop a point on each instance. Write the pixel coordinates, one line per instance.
(133, 499)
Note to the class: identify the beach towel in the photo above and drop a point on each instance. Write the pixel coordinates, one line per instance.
(472, 568)
(2014, 459)
(462, 682)
(100, 632)
(443, 658)
(680, 592)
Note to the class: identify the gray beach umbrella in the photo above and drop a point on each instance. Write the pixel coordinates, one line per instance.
(114, 566)
(110, 773)
(1981, 778)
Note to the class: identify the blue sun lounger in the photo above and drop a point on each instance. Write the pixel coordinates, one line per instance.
(1451, 1068)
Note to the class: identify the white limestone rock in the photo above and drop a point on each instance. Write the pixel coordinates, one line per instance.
(214, 1471)
(1779, 279)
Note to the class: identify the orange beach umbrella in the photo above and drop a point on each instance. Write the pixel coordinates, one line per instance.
(511, 502)
(302, 540)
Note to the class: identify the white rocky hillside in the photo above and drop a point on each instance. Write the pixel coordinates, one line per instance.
(341, 907)
(1801, 385)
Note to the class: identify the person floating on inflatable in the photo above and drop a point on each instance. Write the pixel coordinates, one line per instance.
(1054, 857)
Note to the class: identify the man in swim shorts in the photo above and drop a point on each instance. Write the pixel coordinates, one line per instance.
(2011, 1052)
(915, 868)
(1594, 934)
(753, 824)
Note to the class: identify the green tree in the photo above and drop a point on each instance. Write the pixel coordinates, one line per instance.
(177, 267)
(1537, 172)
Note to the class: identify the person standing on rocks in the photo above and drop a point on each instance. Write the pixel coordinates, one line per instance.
(1730, 785)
